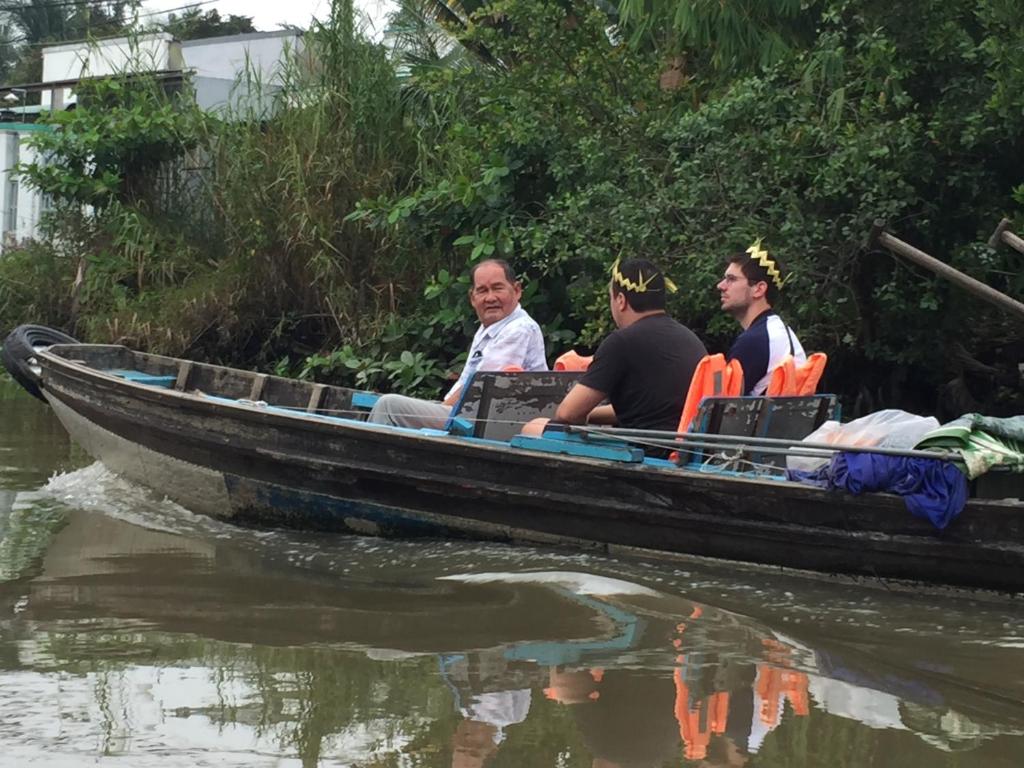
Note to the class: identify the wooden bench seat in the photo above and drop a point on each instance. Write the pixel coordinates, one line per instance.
(495, 405)
(791, 418)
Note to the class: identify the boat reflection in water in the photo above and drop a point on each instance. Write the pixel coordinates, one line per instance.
(201, 643)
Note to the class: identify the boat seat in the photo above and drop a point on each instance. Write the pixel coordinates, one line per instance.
(363, 400)
(495, 405)
(792, 418)
(557, 440)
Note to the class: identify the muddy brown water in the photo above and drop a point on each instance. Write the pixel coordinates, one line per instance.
(134, 633)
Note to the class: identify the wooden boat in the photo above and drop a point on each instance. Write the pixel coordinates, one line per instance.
(266, 450)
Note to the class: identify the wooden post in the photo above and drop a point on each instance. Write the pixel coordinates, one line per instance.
(1004, 235)
(880, 237)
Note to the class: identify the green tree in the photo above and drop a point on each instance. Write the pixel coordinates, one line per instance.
(579, 154)
(101, 165)
(421, 37)
(102, 151)
(8, 51)
(341, 223)
(741, 35)
(33, 22)
(194, 24)
(46, 21)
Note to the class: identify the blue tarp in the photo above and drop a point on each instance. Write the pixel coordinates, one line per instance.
(931, 488)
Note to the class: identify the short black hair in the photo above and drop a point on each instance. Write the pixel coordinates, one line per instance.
(636, 271)
(755, 273)
(505, 267)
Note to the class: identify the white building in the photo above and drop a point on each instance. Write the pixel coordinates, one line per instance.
(115, 56)
(22, 206)
(228, 71)
(236, 72)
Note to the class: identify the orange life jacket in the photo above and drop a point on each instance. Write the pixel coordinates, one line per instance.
(713, 377)
(572, 361)
(787, 380)
(773, 684)
(697, 725)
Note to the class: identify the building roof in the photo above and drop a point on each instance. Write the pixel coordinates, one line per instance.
(74, 45)
(245, 36)
(167, 37)
(26, 128)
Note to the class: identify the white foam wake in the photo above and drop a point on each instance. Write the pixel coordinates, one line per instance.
(577, 583)
(96, 489)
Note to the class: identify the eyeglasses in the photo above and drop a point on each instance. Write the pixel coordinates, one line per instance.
(730, 279)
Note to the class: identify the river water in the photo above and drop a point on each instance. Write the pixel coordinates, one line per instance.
(134, 633)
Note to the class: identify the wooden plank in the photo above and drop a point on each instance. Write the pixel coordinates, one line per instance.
(139, 377)
(184, 371)
(1013, 241)
(316, 396)
(259, 381)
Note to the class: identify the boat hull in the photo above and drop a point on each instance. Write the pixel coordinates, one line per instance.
(263, 466)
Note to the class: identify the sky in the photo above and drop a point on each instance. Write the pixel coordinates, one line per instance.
(268, 15)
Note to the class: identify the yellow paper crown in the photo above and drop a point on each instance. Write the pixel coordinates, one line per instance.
(760, 255)
(641, 286)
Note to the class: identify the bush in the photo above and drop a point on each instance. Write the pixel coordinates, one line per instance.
(35, 287)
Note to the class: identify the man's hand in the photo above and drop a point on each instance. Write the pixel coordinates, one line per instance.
(580, 406)
(578, 403)
(604, 416)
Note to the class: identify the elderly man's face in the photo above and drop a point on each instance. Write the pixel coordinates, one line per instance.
(492, 295)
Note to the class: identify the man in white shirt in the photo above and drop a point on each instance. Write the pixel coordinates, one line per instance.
(507, 336)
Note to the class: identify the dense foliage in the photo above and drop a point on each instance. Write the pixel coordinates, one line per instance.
(580, 149)
(332, 239)
(194, 23)
(108, 148)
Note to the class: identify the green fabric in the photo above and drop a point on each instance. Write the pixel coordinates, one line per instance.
(984, 442)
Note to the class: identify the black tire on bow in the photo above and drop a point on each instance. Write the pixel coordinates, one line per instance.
(19, 351)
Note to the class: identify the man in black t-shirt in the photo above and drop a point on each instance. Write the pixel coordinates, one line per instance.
(644, 368)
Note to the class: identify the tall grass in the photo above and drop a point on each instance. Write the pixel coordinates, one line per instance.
(288, 167)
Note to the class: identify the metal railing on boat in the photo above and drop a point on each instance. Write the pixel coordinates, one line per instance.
(766, 445)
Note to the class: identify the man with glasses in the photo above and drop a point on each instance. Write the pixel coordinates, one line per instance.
(751, 286)
(507, 337)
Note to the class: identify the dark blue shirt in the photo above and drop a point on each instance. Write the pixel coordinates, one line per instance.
(761, 347)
